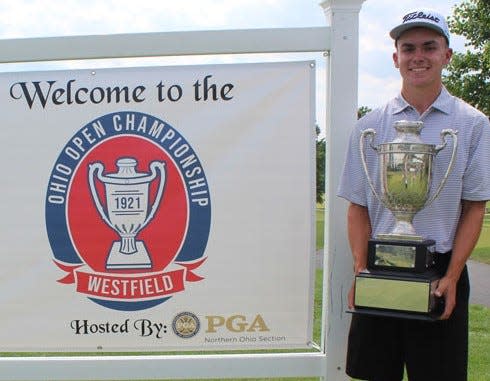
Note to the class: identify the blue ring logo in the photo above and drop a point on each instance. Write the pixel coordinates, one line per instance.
(128, 211)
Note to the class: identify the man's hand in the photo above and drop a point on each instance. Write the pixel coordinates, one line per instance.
(359, 232)
(447, 289)
(351, 295)
(352, 292)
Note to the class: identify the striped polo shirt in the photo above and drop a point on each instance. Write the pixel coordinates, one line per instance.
(468, 180)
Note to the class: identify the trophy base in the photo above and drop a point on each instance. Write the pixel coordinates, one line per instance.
(138, 260)
(398, 295)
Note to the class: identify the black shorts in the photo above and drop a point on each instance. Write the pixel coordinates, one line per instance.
(380, 347)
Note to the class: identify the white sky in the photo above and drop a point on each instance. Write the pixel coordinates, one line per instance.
(378, 79)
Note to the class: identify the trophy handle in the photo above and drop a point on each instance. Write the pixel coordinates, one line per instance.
(96, 169)
(438, 148)
(154, 166)
(370, 133)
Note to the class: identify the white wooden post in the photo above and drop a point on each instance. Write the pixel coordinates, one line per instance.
(342, 82)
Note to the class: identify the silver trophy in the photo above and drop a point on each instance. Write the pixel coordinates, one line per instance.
(128, 208)
(399, 279)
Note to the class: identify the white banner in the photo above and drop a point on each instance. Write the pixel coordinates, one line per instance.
(154, 209)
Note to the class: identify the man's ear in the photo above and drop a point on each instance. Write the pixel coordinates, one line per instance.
(395, 60)
(449, 54)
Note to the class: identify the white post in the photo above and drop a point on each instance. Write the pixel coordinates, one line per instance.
(342, 83)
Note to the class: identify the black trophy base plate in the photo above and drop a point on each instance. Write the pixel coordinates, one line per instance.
(404, 256)
(393, 314)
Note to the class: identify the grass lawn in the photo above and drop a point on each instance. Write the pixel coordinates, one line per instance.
(482, 249)
(320, 222)
(479, 347)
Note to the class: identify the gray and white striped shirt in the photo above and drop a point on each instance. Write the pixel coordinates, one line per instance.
(468, 180)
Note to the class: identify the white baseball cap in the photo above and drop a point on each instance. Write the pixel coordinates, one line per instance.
(425, 18)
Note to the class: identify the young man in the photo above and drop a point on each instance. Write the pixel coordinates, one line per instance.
(380, 347)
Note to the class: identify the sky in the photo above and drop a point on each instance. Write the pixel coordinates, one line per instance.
(378, 79)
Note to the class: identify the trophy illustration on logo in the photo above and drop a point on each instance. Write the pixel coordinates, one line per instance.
(127, 209)
(400, 279)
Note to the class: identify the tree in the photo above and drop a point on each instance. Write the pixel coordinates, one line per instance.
(320, 158)
(363, 110)
(468, 74)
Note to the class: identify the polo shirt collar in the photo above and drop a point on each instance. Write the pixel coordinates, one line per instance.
(442, 103)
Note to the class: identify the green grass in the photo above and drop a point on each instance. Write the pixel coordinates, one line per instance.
(482, 249)
(479, 343)
(320, 223)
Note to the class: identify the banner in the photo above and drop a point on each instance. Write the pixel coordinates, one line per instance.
(158, 208)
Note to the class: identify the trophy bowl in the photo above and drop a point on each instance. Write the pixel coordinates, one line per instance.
(406, 174)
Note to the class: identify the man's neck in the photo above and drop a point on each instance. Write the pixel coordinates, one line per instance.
(421, 99)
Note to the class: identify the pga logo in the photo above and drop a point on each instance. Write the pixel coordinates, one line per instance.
(236, 323)
(128, 211)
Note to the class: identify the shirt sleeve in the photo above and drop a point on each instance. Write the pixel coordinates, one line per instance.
(476, 181)
(353, 181)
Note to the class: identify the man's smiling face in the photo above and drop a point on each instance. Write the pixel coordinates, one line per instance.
(421, 55)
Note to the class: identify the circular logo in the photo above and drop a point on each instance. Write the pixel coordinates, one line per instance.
(128, 211)
(186, 325)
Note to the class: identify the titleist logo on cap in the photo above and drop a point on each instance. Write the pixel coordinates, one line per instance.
(420, 15)
(422, 18)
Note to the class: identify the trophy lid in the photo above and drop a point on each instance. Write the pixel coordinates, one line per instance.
(126, 168)
(407, 139)
(408, 131)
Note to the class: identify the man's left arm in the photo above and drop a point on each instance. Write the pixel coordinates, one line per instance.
(467, 234)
